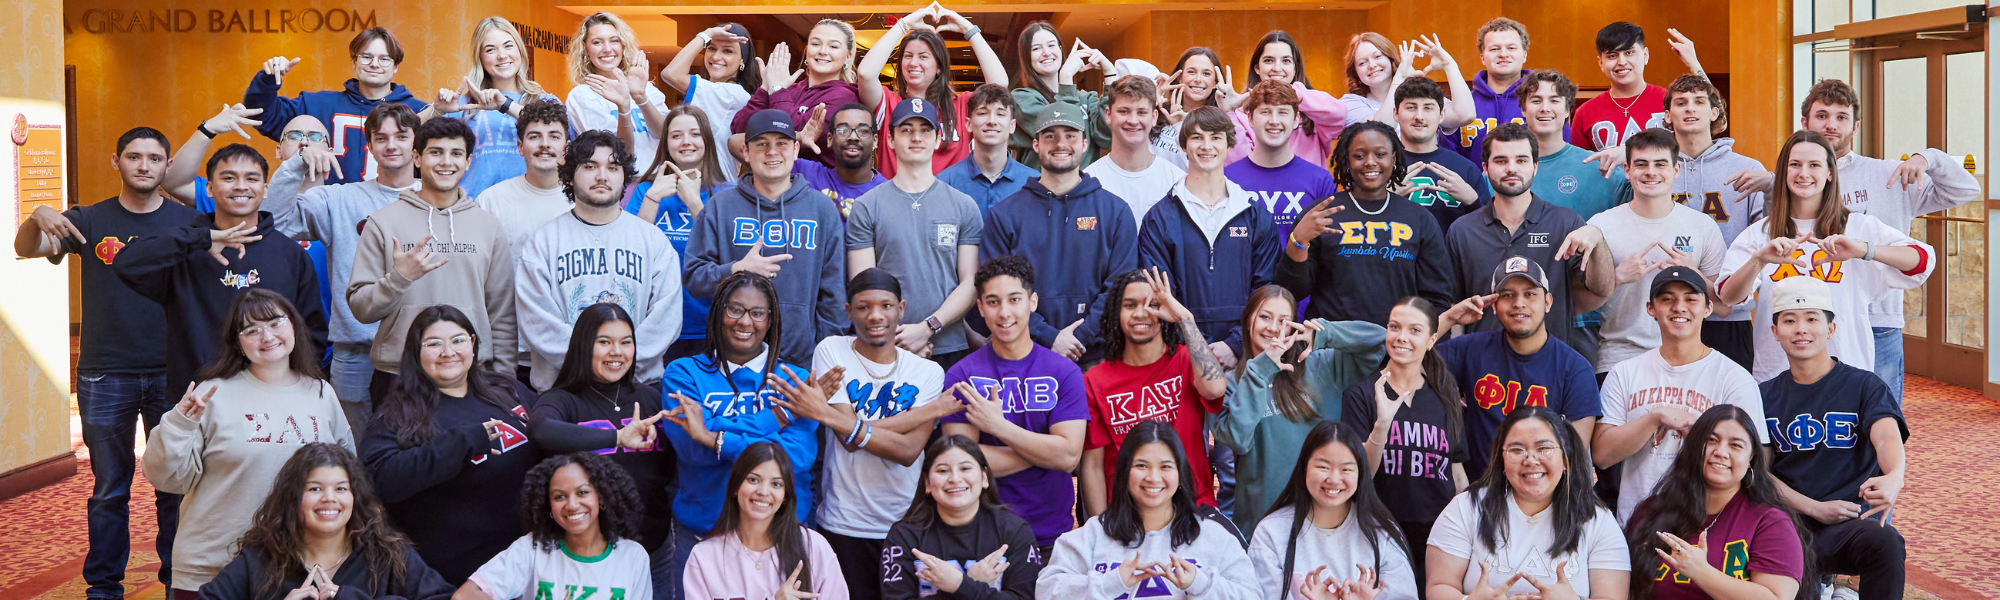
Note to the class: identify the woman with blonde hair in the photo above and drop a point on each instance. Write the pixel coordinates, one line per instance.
(614, 90)
(489, 99)
(829, 70)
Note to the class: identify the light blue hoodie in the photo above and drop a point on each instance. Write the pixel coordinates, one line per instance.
(739, 407)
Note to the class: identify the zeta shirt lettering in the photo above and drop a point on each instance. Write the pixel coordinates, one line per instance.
(1627, 329)
(1496, 381)
(1287, 190)
(123, 332)
(1479, 241)
(529, 570)
(1415, 478)
(1036, 392)
(1123, 395)
(864, 491)
(1746, 537)
(1604, 121)
(1647, 382)
(1379, 251)
(1525, 547)
(1821, 433)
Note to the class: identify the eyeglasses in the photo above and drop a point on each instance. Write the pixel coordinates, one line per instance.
(1518, 453)
(257, 331)
(434, 344)
(310, 136)
(374, 59)
(853, 131)
(737, 311)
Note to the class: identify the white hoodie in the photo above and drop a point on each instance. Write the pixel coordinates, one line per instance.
(1703, 185)
(1085, 565)
(1338, 549)
(1865, 189)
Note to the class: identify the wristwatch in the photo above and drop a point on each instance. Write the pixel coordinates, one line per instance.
(506, 104)
(203, 128)
(934, 323)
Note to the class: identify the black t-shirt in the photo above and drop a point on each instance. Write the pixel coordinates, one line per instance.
(1819, 432)
(652, 469)
(963, 545)
(123, 332)
(1379, 252)
(1442, 206)
(1415, 478)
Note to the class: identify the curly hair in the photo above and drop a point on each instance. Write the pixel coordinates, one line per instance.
(619, 509)
(277, 530)
(444, 128)
(1831, 92)
(1113, 319)
(1343, 173)
(1013, 266)
(539, 110)
(583, 148)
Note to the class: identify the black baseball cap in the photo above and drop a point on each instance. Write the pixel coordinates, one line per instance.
(1681, 274)
(1518, 266)
(770, 120)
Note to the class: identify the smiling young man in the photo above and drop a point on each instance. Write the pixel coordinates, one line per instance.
(597, 253)
(853, 155)
(524, 203)
(1711, 176)
(1210, 236)
(1650, 233)
(1652, 399)
(924, 233)
(1286, 184)
(1131, 171)
(1836, 443)
(1079, 234)
(1439, 180)
(1503, 51)
(1024, 404)
(376, 55)
(1631, 105)
(773, 223)
(435, 246)
(990, 174)
(120, 371)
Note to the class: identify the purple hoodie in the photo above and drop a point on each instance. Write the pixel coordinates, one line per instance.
(1493, 110)
(798, 101)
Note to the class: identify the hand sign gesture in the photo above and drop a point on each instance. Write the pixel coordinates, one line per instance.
(52, 223)
(1229, 98)
(1581, 242)
(1750, 181)
(323, 583)
(637, 434)
(232, 118)
(1363, 586)
(941, 574)
(320, 162)
(756, 262)
(1481, 590)
(777, 73)
(1635, 266)
(981, 410)
(1880, 493)
(238, 237)
(1684, 48)
(192, 405)
(790, 590)
(416, 261)
(1838, 248)
(447, 100)
(1388, 400)
(690, 417)
(278, 67)
(611, 87)
(1434, 49)
(493, 433)
(1132, 571)
(1466, 312)
(1560, 589)
(809, 134)
(1316, 222)
(1180, 572)
(1687, 559)
(988, 569)
(1908, 173)
(806, 398)
(1067, 343)
(1295, 332)
(1780, 251)
(638, 78)
(1169, 309)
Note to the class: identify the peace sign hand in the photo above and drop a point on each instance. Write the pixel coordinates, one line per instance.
(790, 590)
(416, 261)
(1316, 222)
(1228, 98)
(637, 434)
(755, 261)
(191, 405)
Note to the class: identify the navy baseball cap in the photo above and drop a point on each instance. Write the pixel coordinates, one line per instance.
(1681, 274)
(914, 108)
(1519, 266)
(770, 120)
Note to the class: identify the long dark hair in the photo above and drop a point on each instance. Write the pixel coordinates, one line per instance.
(719, 314)
(413, 397)
(1575, 504)
(1121, 520)
(619, 510)
(1277, 36)
(1111, 322)
(1832, 212)
(1212, 60)
(1367, 508)
(1437, 375)
(1344, 174)
(278, 532)
(711, 166)
(787, 535)
(923, 508)
(259, 304)
(939, 93)
(1679, 502)
(747, 75)
(576, 374)
(1029, 79)
(1288, 392)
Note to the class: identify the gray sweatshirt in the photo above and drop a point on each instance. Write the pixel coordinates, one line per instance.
(477, 276)
(1703, 185)
(568, 265)
(1865, 188)
(1085, 564)
(225, 459)
(331, 214)
(1338, 549)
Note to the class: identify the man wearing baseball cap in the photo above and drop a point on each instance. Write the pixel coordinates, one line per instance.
(1072, 230)
(923, 232)
(1519, 364)
(1836, 442)
(1651, 400)
(773, 223)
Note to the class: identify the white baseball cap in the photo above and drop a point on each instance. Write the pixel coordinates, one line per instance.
(1800, 292)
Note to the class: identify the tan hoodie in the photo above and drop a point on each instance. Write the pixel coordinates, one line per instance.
(476, 278)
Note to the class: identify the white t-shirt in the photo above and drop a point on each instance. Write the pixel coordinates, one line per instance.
(1628, 330)
(865, 493)
(1525, 547)
(721, 101)
(521, 207)
(523, 571)
(1854, 283)
(1140, 190)
(588, 111)
(1636, 386)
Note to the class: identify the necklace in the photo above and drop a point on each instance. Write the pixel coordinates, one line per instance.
(893, 366)
(1625, 108)
(613, 399)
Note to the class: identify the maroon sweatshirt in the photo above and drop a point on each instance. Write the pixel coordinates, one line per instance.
(798, 101)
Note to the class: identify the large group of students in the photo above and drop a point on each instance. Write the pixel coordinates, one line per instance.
(809, 335)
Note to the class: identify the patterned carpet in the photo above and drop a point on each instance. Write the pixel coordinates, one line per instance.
(1944, 512)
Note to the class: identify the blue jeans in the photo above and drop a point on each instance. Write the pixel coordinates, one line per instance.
(1889, 360)
(666, 579)
(110, 406)
(350, 372)
(684, 540)
(1224, 461)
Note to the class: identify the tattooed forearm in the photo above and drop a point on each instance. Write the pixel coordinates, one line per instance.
(1204, 360)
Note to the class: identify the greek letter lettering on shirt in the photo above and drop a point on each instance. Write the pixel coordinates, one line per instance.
(1281, 202)
(1033, 394)
(599, 261)
(1418, 450)
(879, 402)
(510, 436)
(1534, 561)
(1381, 239)
(676, 223)
(1428, 197)
(1156, 401)
(892, 569)
(1828, 272)
(1711, 204)
(1606, 133)
(1470, 132)
(737, 404)
(1735, 563)
(546, 590)
(1153, 587)
(443, 247)
(659, 435)
(776, 233)
(1835, 431)
(1490, 392)
(290, 429)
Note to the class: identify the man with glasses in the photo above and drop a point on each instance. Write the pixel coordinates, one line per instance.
(376, 55)
(853, 153)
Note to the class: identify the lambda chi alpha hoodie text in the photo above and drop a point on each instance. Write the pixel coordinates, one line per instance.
(477, 276)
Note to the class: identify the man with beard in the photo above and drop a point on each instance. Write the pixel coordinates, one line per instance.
(853, 152)
(1519, 364)
(1518, 222)
(597, 253)
(120, 373)
(1076, 233)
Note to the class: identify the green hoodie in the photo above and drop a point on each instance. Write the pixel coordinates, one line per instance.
(1266, 443)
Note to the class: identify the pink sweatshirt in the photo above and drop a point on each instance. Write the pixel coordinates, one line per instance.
(1326, 112)
(722, 568)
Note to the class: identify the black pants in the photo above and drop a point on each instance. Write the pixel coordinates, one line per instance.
(1734, 339)
(1416, 536)
(686, 347)
(860, 563)
(378, 388)
(1863, 547)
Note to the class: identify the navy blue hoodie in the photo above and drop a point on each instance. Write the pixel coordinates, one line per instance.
(1078, 241)
(1214, 280)
(802, 222)
(174, 269)
(342, 112)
